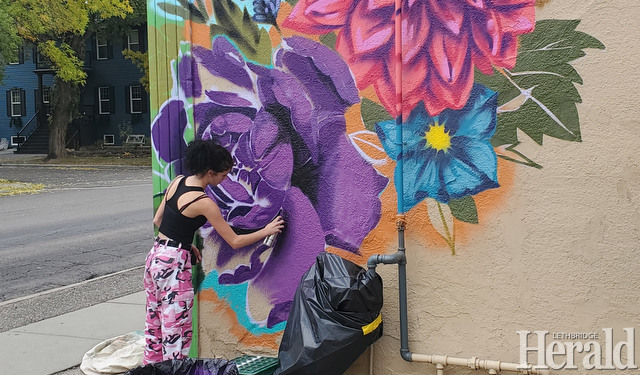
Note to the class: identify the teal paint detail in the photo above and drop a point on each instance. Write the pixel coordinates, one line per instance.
(253, 41)
(236, 296)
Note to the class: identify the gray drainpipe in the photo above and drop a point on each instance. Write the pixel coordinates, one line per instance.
(400, 259)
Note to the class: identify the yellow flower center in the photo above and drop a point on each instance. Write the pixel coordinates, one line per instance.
(437, 138)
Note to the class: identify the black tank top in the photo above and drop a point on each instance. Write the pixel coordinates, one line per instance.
(174, 224)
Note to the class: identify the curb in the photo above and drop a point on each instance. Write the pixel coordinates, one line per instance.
(76, 166)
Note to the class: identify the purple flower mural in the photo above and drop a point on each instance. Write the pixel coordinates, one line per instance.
(167, 134)
(285, 127)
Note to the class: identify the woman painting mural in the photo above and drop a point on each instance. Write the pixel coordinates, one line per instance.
(167, 278)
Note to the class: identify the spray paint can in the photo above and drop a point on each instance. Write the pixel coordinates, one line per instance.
(270, 240)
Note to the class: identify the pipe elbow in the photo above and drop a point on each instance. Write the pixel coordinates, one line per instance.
(406, 355)
(397, 258)
(402, 257)
(372, 262)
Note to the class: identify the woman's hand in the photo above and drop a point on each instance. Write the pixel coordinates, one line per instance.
(275, 226)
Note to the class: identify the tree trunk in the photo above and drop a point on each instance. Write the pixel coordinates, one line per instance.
(65, 100)
(61, 116)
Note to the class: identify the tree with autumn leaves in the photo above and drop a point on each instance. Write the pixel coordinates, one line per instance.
(58, 29)
(9, 40)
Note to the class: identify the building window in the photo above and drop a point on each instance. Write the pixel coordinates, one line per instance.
(42, 61)
(102, 49)
(18, 57)
(135, 99)
(133, 40)
(108, 139)
(104, 100)
(16, 103)
(46, 95)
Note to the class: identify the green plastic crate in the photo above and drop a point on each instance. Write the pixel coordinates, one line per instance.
(256, 365)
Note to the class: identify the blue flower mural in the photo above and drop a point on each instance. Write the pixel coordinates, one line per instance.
(447, 156)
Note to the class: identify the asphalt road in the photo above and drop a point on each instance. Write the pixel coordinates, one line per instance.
(88, 222)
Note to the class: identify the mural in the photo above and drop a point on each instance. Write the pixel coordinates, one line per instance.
(303, 95)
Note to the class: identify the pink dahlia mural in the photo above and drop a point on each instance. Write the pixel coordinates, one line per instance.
(303, 96)
(443, 40)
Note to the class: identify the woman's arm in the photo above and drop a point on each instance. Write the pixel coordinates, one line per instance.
(157, 218)
(236, 241)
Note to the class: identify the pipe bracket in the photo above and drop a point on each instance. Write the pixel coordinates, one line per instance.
(401, 222)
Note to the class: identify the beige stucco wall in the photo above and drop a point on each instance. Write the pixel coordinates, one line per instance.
(560, 254)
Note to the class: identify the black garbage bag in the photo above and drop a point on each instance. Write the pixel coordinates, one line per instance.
(334, 317)
(188, 366)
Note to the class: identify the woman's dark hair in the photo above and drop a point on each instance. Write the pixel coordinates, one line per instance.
(203, 155)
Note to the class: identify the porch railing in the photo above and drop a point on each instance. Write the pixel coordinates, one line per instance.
(74, 140)
(28, 129)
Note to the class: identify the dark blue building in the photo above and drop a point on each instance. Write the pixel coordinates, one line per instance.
(19, 90)
(112, 102)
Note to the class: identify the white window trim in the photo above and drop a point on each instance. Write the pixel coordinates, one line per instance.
(48, 90)
(101, 100)
(132, 99)
(98, 45)
(17, 56)
(13, 103)
(135, 139)
(15, 139)
(129, 43)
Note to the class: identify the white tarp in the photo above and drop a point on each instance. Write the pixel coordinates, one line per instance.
(114, 356)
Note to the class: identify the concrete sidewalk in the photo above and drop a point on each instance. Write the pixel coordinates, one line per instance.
(56, 344)
(8, 156)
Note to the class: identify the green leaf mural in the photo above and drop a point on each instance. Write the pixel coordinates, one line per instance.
(187, 11)
(252, 40)
(229, 20)
(464, 209)
(329, 40)
(509, 152)
(198, 11)
(175, 10)
(538, 95)
(372, 113)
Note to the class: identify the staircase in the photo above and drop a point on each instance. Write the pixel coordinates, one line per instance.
(37, 143)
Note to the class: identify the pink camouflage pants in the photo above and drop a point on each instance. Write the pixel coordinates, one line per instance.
(167, 282)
